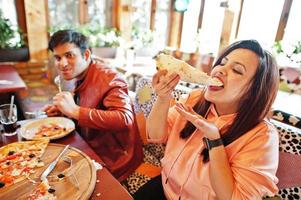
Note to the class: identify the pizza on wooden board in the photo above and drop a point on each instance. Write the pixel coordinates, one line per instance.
(42, 191)
(185, 71)
(20, 159)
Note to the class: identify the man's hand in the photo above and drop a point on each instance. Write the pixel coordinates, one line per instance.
(208, 129)
(65, 103)
(51, 110)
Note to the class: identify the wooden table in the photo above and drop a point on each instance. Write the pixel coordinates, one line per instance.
(10, 81)
(108, 188)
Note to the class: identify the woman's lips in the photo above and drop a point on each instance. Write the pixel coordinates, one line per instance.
(215, 88)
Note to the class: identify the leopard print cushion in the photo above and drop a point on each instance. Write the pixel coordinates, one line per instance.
(290, 142)
(290, 193)
(135, 181)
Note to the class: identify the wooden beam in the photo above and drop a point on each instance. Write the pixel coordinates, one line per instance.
(179, 30)
(238, 18)
(201, 15)
(175, 28)
(36, 23)
(83, 12)
(283, 19)
(226, 29)
(116, 10)
(153, 14)
(125, 23)
(21, 15)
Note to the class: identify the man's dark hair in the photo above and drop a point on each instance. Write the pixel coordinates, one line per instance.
(68, 36)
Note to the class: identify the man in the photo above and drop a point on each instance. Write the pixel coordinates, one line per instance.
(100, 104)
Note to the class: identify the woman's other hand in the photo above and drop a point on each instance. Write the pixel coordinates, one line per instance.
(208, 129)
(164, 84)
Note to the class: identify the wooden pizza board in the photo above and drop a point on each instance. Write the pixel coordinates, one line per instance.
(82, 168)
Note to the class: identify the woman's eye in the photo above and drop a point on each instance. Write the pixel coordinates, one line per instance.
(238, 71)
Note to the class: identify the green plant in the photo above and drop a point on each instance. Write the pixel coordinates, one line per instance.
(142, 38)
(288, 52)
(98, 36)
(10, 37)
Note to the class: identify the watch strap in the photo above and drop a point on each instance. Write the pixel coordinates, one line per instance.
(212, 143)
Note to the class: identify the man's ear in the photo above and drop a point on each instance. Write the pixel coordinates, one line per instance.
(87, 54)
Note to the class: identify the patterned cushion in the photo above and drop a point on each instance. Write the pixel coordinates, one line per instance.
(287, 118)
(289, 162)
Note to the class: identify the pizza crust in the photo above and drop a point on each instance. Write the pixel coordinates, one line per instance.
(185, 71)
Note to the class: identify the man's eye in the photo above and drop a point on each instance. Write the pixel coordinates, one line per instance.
(69, 55)
(57, 58)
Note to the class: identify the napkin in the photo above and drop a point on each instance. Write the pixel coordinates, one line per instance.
(5, 82)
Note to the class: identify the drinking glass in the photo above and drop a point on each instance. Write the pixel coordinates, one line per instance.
(8, 119)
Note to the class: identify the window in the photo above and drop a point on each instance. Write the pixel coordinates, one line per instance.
(260, 21)
(63, 14)
(9, 11)
(210, 33)
(190, 27)
(141, 17)
(161, 23)
(100, 12)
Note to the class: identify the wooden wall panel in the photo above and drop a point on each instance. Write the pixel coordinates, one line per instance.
(83, 12)
(175, 28)
(226, 29)
(153, 14)
(283, 19)
(36, 23)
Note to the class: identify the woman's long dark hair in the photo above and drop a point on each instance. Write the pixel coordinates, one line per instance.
(254, 105)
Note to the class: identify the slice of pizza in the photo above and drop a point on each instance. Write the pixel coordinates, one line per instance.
(42, 191)
(50, 130)
(20, 159)
(186, 71)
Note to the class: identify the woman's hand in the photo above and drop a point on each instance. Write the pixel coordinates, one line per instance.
(208, 129)
(164, 84)
(65, 103)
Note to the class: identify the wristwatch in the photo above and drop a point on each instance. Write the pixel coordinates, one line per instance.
(212, 143)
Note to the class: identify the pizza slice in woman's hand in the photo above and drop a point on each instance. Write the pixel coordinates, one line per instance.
(185, 71)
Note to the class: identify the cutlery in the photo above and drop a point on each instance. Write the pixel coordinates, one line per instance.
(53, 164)
(57, 81)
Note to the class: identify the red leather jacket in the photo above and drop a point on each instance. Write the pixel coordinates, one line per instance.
(107, 121)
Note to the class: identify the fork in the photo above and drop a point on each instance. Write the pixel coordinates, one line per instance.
(57, 81)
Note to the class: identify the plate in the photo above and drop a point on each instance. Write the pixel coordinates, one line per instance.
(32, 129)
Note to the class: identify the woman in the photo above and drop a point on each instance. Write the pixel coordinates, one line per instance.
(218, 143)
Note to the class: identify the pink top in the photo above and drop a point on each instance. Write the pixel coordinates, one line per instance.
(253, 159)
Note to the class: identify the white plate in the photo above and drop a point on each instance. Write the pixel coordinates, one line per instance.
(29, 129)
